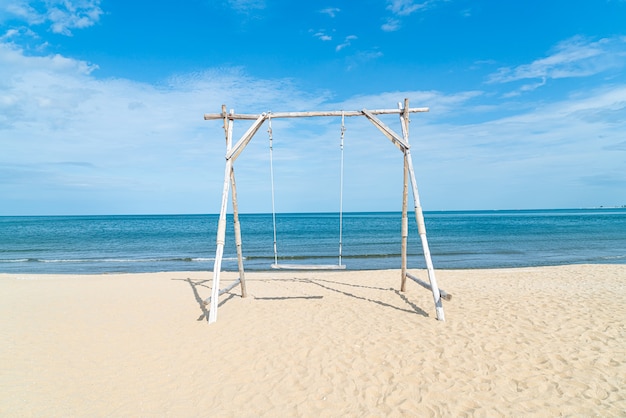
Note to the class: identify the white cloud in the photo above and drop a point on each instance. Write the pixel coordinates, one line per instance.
(73, 142)
(61, 15)
(526, 88)
(323, 36)
(391, 25)
(441, 104)
(361, 58)
(67, 15)
(346, 43)
(537, 158)
(541, 156)
(11, 33)
(22, 10)
(14, 61)
(330, 11)
(247, 5)
(128, 141)
(575, 57)
(404, 7)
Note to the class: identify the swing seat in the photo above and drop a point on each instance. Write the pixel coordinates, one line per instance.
(308, 266)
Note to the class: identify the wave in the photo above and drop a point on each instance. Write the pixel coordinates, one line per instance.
(614, 257)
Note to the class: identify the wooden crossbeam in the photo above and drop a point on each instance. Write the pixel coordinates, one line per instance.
(347, 113)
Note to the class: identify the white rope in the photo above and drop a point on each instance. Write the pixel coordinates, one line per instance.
(343, 130)
(269, 131)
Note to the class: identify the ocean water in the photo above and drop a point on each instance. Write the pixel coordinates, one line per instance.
(467, 239)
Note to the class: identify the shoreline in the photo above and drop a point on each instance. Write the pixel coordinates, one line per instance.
(531, 341)
(252, 270)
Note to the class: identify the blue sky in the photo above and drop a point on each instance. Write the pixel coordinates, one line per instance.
(102, 103)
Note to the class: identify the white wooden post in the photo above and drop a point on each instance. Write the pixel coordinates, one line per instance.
(419, 217)
(405, 198)
(221, 238)
(238, 243)
(221, 226)
(237, 225)
(405, 225)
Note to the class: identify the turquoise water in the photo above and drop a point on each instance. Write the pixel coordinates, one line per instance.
(468, 239)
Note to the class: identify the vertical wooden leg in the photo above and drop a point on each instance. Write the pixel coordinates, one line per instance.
(405, 225)
(238, 242)
(219, 252)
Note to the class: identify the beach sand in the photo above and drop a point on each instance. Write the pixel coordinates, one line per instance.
(548, 341)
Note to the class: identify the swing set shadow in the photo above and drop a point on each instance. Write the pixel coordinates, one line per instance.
(327, 284)
(200, 286)
(195, 284)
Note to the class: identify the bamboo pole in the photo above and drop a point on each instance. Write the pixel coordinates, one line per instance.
(238, 242)
(419, 215)
(421, 228)
(229, 180)
(405, 197)
(221, 237)
(245, 139)
(405, 226)
(221, 227)
(237, 225)
(387, 131)
(211, 116)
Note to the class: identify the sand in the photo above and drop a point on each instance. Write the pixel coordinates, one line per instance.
(547, 341)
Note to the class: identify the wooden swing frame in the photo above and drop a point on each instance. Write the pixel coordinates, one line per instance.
(233, 151)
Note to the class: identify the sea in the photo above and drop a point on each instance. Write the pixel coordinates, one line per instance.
(457, 240)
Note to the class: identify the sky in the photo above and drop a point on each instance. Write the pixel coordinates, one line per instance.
(102, 104)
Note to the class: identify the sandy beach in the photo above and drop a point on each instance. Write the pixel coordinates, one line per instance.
(547, 341)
